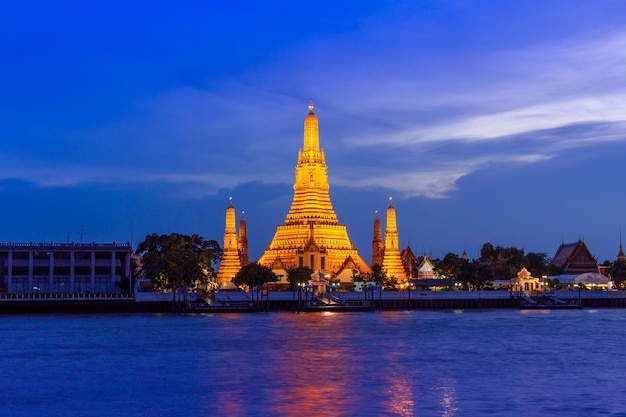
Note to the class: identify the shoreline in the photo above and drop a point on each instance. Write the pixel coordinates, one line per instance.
(274, 301)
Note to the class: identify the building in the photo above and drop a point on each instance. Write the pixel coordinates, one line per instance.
(575, 258)
(312, 235)
(410, 261)
(64, 267)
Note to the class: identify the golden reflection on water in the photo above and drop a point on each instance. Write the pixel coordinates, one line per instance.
(401, 399)
(315, 379)
(317, 369)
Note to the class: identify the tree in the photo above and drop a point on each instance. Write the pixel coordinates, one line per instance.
(177, 260)
(253, 275)
(298, 275)
(618, 273)
(537, 264)
(378, 276)
(474, 274)
(488, 253)
(449, 266)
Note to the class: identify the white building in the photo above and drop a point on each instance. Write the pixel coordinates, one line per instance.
(63, 267)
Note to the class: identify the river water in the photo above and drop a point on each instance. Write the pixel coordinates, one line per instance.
(418, 363)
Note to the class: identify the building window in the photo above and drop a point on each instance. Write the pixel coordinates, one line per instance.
(312, 261)
(20, 270)
(40, 284)
(61, 270)
(102, 285)
(103, 255)
(82, 270)
(323, 262)
(82, 255)
(41, 270)
(61, 284)
(82, 284)
(300, 261)
(20, 285)
(103, 270)
(61, 255)
(20, 255)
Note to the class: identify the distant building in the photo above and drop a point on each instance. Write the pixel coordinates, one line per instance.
(575, 258)
(426, 269)
(410, 261)
(64, 267)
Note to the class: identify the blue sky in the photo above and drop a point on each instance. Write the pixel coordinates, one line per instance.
(487, 121)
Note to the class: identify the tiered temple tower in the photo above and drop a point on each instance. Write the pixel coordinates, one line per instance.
(242, 241)
(231, 264)
(392, 262)
(311, 235)
(377, 243)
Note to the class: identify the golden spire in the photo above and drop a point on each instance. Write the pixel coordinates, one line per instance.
(392, 228)
(230, 264)
(392, 263)
(311, 200)
(311, 134)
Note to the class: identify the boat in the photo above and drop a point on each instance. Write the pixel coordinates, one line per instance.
(547, 301)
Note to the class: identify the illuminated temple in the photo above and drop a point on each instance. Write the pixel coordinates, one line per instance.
(311, 235)
(392, 262)
(235, 249)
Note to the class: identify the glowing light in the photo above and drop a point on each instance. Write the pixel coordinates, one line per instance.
(311, 235)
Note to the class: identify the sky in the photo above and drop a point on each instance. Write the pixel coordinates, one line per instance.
(486, 121)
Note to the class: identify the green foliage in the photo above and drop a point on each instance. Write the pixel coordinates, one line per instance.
(253, 275)
(178, 260)
(299, 275)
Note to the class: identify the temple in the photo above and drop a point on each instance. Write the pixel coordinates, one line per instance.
(575, 258)
(311, 235)
(231, 259)
(377, 243)
(392, 262)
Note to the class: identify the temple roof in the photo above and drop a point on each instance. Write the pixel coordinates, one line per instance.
(575, 258)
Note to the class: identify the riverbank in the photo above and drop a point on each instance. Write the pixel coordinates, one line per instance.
(287, 301)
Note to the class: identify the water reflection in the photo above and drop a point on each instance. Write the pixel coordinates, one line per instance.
(401, 399)
(448, 400)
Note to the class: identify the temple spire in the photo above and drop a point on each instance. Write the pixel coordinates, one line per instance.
(311, 134)
(392, 262)
(230, 264)
(377, 242)
(311, 200)
(242, 241)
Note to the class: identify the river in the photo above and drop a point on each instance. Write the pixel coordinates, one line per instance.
(401, 363)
